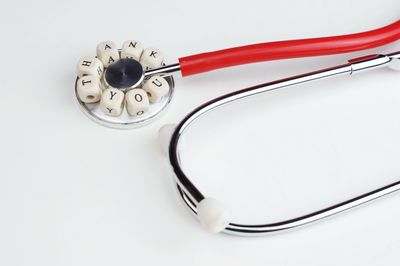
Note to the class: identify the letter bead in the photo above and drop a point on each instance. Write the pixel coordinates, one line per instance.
(88, 88)
(132, 49)
(156, 87)
(151, 58)
(107, 53)
(137, 102)
(90, 65)
(112, 102)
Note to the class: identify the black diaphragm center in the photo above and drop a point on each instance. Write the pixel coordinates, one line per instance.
(124, 73)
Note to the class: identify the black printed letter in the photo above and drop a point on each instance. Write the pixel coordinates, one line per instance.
(153, 54)
(138, 97)
(112, 95)
(86, 63)
(157, 82)
(84, 82)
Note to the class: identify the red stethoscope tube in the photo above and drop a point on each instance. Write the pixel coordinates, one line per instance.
(204, 62)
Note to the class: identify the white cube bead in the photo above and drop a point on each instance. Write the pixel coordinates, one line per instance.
(88, 88)
(107, 52)
(151, 58)
(137, 102)
(156, 87)
(112, 102)
(90, 65)
(132, 49)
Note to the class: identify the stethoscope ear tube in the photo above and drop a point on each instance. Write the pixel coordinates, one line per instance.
(209, 211)
(204, 62)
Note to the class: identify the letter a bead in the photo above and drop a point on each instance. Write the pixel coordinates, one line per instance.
(107, 53)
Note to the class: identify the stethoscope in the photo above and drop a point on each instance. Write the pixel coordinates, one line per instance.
(211, 214)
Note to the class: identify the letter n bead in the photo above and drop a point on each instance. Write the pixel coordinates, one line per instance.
(132, 49)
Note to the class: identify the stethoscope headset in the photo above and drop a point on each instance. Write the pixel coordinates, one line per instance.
(131, 86)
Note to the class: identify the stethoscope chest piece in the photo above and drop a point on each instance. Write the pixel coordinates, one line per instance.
(112, 88)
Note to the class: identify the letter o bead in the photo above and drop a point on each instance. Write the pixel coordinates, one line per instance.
(137, 102)
(156, 87)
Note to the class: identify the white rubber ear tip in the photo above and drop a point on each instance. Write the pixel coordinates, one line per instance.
(164, 136)
(212, 215)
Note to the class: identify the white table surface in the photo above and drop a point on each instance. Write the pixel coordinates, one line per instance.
(76, 193)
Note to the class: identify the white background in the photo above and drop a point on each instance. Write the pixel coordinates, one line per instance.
(75, 193)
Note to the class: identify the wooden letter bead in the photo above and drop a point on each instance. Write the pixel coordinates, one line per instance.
(88, 88)
(132, 49)
(137, 102)
(151, 58)
(156, 87)
(107, 53)
(112, 102)
(90, 65)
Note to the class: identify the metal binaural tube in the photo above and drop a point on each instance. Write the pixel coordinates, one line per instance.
(192, 196)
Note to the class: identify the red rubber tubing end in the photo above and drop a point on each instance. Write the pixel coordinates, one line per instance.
(204, 62)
